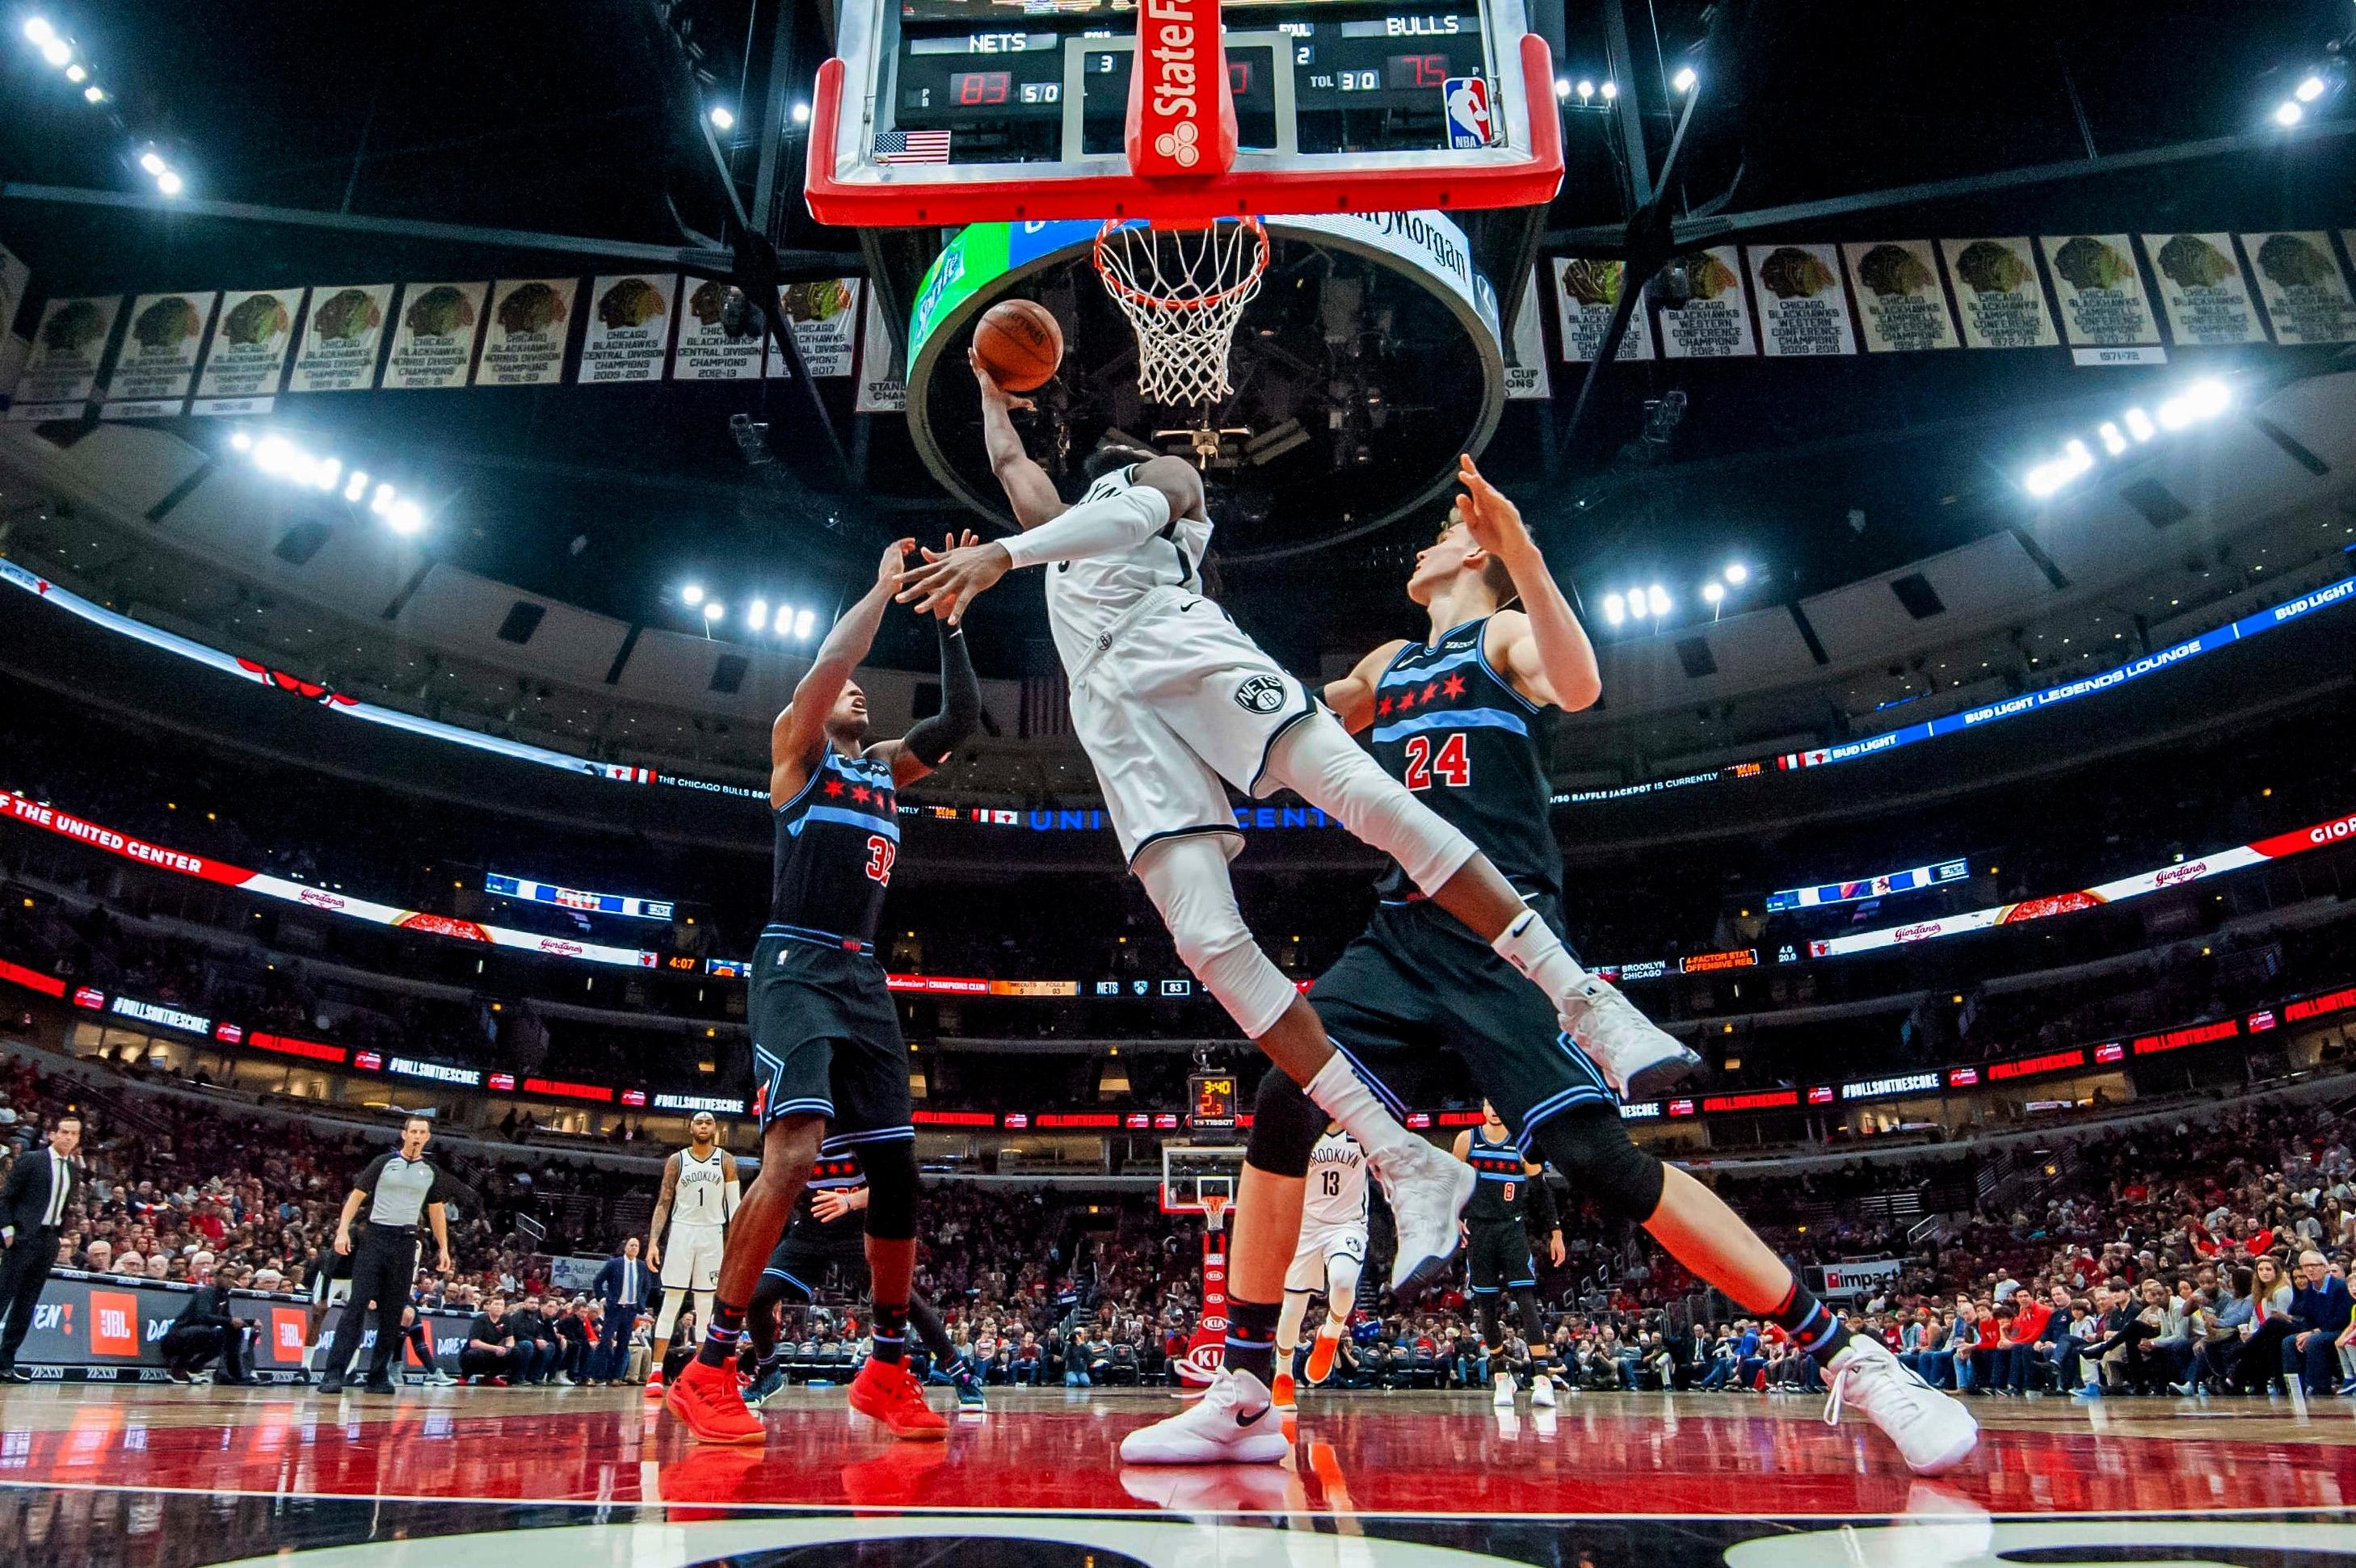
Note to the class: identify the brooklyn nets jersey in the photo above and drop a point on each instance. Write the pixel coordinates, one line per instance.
(1086, 597)
(1457, 735)
(1336, 1195)
(701, 1195)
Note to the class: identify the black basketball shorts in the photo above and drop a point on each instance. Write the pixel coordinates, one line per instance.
(827, 1042)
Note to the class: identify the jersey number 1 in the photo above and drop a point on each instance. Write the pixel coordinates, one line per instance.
(1452, 763)
(881, 853)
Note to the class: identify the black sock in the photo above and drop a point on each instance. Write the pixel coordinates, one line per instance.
(1252, 1338)
(1815, 1327)
(720, 1343)
(890, 1330)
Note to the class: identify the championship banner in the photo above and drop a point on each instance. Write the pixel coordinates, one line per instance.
(2203, 289)
(1586, 292)
(1878, 886)
(2101, 290)
(1526, 362)
(434, 336)
(67, 348)
(1803, 306)
(2322, 836)
(15, 807)
(341, 339)
(531, 319)
(247, 350)
(158, 362)
(824, 318)
(629, 327)
(1996, 284)
(2305, 291)
(707, 350)
(1899, 297)
(1714, 323)
(883, 373)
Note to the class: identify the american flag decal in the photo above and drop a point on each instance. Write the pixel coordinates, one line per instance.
(912, 147)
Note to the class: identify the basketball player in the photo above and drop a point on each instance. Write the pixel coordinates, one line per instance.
(1331, 1251)
(827, 1051)
(1453, 717)
(1498, 1246)
(830, 1230)
(1174, 704)
(699, 1194)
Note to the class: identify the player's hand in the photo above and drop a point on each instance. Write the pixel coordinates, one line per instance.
(894, 566)
(992, 394)
(343, 1243)
(948, 580)
(654, 1255)
(830, 1205)
(1554, 1249)
(1495, 522)
(445, 1264)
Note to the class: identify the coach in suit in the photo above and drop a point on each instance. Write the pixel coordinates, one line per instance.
(624, 1284)
(32, 1207)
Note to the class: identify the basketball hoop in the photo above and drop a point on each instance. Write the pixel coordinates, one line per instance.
(1214, 1212)
(1183, 290)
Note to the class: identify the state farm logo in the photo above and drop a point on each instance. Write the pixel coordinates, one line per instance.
(1916, 932)
(1181, 123)
(2167, 875)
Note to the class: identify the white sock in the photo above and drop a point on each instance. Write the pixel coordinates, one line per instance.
(1342, 1095)
(1530, 945)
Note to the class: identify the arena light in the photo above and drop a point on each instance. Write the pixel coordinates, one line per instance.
(805, 621)
(2202, 400)
(169, 183)
(2112, 442)
(1611, 90)
(1586, 91)
(91, 95)
(722, 118)
(240, 441)
(2310, 90)
(152, 162)
(1713, 592)
(56, 51)
(74, 72)
(1656, 599)
(38, 31)
(756, 616)
(406, 518)
(1684, 80)
(2139, 425)
(801, 113)
(1615, 609)
(714, 611)
(691, 594)
(1562, 87)
(2289, 113)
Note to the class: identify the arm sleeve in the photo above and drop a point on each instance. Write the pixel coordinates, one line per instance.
(1542, 1209)
(1096, 527)
(733, 1195)
(934, 740)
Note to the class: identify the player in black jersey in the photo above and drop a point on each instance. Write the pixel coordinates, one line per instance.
(828, 1232)
(1497, 1230)
(828, 1059)
(1455, 718)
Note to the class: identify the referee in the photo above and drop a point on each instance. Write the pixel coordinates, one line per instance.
(396, 1189)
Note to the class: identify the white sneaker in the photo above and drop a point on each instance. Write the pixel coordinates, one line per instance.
(1934, 1432)
(441, 1379)
(1428, 1189)
(1541, 1392)
(1232, 1424)
(1502, 1394)
(1639, 1059)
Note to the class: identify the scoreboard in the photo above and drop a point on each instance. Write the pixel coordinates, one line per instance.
(1213, 1096)
(1013, 85)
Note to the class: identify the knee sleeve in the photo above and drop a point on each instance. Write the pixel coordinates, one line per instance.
(1187, 880)
(1286, 1125)
(1590, 1147)
(1288, 1324)
(890, 1170)
(1341, 1288)
(1318, 760)
(668, 1318)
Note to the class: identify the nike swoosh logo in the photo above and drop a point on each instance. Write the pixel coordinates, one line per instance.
(1195, 605)
(1253, 1419)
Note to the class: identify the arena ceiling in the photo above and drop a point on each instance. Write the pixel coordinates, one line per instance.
(585, 122)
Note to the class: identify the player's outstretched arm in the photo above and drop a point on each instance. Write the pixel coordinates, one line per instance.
(932, 740)
(1543, 649)
(1352, 698)
(800, 730)
(1027, 486)
(947, 581)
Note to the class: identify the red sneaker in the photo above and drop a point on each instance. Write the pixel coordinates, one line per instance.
(654, 1387)
(705, 1398)
(886, 1392)
(1321, 1355)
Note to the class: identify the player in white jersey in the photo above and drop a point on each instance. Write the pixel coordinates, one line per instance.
(699, 1193)
(1331, 1252)
(1175, 704)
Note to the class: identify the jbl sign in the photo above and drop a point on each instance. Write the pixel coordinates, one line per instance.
(1182, 113)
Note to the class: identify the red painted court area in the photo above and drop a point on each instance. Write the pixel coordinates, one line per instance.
(1413, 1457)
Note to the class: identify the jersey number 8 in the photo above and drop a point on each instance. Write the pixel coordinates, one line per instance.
(881, 853)
(1451, 763)
(1510, 1187)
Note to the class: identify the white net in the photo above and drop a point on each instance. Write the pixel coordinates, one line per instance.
(1183, 290)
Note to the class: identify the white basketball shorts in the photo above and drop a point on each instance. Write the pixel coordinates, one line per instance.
(692, 1257)
(1318, 1247)
(1176, 704)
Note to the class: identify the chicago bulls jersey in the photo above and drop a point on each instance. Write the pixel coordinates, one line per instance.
(836, 840)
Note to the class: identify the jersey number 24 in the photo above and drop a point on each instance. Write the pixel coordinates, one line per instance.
(1450, 761)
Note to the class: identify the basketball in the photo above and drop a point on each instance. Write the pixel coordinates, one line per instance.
(1020, 343)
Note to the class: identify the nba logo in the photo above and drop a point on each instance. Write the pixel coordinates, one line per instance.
(1468, 110)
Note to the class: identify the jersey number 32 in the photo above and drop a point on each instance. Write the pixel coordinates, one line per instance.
(881, 853)
(1451, 763)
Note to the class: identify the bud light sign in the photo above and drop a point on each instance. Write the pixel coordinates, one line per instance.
(1469, 123)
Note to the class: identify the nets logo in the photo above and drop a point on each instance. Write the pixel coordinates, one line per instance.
(113, 1323)
(1261, 693)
